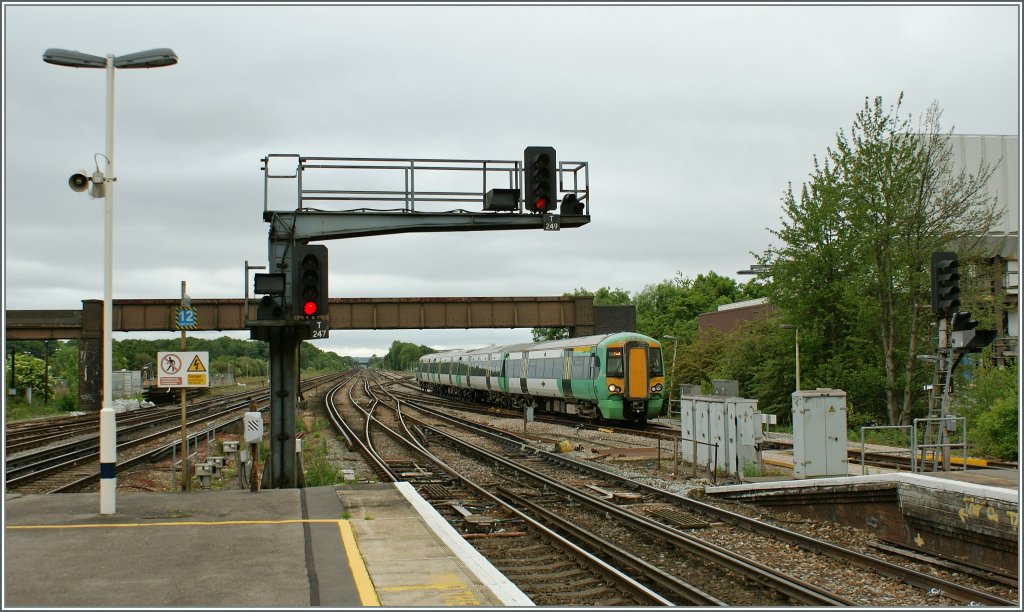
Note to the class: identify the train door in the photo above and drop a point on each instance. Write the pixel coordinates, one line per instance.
(637, 384)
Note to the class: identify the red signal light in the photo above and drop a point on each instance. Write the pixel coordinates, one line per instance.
(309, 308)
(542, 203)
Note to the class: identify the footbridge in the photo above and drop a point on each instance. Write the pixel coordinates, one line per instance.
(578, 313)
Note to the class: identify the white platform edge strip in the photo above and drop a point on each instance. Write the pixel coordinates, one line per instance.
(920, 480)
(508, 593)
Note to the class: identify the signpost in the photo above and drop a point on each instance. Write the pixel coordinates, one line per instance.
(183, 369)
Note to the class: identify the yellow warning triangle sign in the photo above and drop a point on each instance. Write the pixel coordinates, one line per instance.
(196, 365)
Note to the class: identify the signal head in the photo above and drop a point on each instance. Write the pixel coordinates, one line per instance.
(540, 170)
(309, 281)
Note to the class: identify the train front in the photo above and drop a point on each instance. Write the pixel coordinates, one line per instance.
(634, 378)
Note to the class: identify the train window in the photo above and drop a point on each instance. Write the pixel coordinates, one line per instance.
(614, 366)
(656, 365)
(581, 367)
(531, 368)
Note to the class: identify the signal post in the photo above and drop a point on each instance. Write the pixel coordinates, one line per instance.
(957, 336)
(294, 305)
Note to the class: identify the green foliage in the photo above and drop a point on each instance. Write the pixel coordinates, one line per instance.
(671, 307)
(853, 266)
(988, 397)
(241, 357)
(605, 296)
(402, 355)
(29, 372)
(16, 409)
(318, 468)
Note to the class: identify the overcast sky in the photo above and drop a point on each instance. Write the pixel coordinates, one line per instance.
(693, 119)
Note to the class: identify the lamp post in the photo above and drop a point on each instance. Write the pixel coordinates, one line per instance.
(46, 373)
(675, 345)
(153, 58)
(796, 328)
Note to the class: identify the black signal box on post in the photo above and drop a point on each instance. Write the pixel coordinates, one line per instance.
(963, 336)
(945, 283)
(540, 179)
(309, 281)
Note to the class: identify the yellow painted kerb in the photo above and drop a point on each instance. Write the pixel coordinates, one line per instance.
(367, 594)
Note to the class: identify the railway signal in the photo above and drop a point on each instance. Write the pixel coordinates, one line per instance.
(540, 179)
(945, 283)
(309, 281)
(965, 338)
(571, 205)
(269, 309)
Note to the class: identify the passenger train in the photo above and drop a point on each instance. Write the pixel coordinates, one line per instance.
(611, 377)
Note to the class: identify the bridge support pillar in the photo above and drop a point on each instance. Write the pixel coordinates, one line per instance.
(90, 356)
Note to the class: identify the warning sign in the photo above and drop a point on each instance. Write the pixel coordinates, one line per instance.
(197, 365)
(170, 367)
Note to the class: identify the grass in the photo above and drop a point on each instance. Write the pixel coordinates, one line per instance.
(319, 469)
(19, 409)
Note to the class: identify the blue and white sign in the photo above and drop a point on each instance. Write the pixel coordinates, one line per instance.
(186, 318)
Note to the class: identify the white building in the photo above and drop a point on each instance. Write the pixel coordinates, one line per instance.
(1003, 152)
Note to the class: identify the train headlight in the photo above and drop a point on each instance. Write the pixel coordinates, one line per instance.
(657, 388)
(613, 389)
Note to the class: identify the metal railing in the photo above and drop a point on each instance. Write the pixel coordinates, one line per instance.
(939, 448)
(918, 452)
(355, 183)
(908, 451)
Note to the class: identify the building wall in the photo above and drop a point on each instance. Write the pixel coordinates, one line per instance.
(731, 316)
(1002, 152)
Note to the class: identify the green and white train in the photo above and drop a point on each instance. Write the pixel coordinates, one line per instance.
(612, 377)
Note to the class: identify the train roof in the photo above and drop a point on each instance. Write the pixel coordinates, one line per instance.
(540, 346)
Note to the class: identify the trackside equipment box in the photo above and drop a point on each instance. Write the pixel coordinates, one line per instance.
(819, 433)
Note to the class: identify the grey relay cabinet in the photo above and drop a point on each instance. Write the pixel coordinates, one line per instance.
(819, 433)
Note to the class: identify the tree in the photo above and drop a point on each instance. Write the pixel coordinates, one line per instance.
(988, 396)
(29, 372)
(402, 355)
(605, 296)
(853, 270)
(672, 306)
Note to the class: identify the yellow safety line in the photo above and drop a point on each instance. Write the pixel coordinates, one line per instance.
(367, 594)
(175, 524)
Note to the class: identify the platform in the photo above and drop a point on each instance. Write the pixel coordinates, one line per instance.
(345, 546)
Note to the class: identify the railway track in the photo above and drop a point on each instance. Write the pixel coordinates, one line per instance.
(667, 509)
(544, 565)
(728, 579)
(70, 462)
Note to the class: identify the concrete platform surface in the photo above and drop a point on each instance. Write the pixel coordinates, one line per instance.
(345, 546)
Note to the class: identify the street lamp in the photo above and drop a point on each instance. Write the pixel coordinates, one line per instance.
(675, 345)
(153, 58)
(797, 330)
